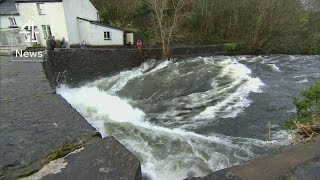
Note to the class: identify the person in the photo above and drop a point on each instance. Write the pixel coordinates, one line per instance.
(53, 43)
(83, 45)
(49, 43)
(63, 43)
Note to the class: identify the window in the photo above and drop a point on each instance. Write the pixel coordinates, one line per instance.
(40, 7)
(34, 34)
(98, 16)
(13, 22)
(107, 35)
(46, 31)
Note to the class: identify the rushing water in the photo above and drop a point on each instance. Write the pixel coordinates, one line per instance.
(192, 117)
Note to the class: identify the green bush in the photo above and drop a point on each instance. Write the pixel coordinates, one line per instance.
(315, 46)
(309, 104)
(58, 43)
(36, 45)
(231, 47)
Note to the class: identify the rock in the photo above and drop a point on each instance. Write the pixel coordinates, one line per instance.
(37, 125)
(105, 159)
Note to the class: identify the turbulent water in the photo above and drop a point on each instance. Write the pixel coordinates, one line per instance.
(194, 116)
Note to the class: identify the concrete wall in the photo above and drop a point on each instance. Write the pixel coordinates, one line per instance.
(77, 66)
(12, 39)
(77, 8)
(53, 15)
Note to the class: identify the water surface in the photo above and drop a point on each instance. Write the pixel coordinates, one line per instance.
(191, 117)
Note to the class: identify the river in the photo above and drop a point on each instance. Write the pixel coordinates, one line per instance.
(194, 116)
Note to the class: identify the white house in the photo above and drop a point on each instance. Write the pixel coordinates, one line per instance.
(74, 20)
(10, 39)
(97, 33)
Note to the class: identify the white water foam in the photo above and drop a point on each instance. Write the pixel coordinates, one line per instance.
(115, 83)
(305, 80)
(98, 107)
(238, 100)
(170, 153)
(92, 102)
(274, 67)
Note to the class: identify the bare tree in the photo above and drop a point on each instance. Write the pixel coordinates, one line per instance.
(168, 15)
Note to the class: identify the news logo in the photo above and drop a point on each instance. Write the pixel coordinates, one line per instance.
(30, 31)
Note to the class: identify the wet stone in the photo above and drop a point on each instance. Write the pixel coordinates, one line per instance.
(106, 159)
(35, 122)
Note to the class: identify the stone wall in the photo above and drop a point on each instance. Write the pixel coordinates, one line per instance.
(77, 66)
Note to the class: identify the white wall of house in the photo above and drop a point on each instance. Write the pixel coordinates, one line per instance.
(5, 23)
(94, 34)
(53, 15)
(62, 17)
(97, 35)
(10, 38)
(78, 8)
(84, 30)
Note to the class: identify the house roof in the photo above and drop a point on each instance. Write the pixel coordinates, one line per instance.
(101, 24)
(7, 7)
(27, 1)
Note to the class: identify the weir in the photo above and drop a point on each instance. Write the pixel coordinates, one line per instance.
(76, 66)
(139, 119)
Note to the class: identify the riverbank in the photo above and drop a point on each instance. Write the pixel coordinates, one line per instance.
(38, 126)
(300, 162)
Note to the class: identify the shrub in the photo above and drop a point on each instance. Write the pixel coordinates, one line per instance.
(231, 47)
(315, 45)
(309, 104)
(36, 45)
(306, 124)
(58, 43)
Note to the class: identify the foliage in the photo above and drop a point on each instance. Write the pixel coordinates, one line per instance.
(272, 26)
(309, 104)
(315, 46)
(231, 47)
(36, 46)
(104, 16)
(63, 151)
(306, 124)
(168, 17)
(58, 43)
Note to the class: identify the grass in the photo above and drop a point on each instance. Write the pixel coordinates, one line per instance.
(26, 174)
(307, 131)
(56, 154)
(63, 151)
